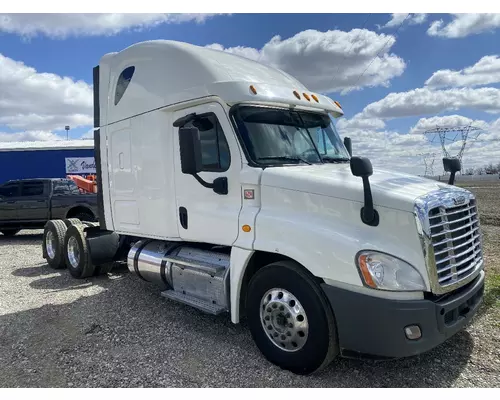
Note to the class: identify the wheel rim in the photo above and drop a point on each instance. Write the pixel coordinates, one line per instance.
(50, 244)
(73, 252)
(284, 319)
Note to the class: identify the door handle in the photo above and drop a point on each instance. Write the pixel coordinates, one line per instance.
(183, 217)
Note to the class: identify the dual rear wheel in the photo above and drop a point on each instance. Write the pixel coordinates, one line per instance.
(65, 246)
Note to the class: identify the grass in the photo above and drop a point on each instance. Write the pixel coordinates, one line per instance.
(491, 302)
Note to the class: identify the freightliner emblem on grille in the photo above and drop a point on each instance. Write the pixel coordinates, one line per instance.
(459, 200)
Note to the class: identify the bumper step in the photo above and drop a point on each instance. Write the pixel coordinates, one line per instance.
(201, 305)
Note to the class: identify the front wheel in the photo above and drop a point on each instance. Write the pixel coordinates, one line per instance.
(290, 320)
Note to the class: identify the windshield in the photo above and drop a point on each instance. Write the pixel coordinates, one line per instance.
(282, 136)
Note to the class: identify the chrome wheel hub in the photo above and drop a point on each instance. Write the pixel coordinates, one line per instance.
(73, 252)
(284, 319)
(50, 245)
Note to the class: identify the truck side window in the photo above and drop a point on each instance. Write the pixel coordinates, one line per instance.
(9, 190)
(214, 148)
(123, 82)
(32, 189)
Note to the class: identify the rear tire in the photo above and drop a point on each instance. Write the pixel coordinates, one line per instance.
(10, 232)
(290, 319)
(53, 243)
(71, 221)
(77, 254)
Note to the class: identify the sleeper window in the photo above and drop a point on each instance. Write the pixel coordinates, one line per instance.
(123, 82)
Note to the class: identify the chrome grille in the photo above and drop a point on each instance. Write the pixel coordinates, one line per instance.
(456, 241)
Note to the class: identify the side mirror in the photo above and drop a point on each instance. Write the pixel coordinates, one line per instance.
(191, 161)
(452, 165)
(361, 167)
(190, 150)
(348, 145)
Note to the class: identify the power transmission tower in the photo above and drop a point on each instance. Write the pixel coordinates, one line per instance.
(453, 134)
(428, 160)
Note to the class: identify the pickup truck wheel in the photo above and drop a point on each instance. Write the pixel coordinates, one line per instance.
(290, 319)
(76, 253)
(10, 232)
(53, 243)
(85, 217)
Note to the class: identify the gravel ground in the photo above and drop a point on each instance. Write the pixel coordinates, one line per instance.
(117, 331)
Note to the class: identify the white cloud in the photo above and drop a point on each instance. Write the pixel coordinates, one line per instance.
(357, 122)
(424, 124)
(463, 25)
(31, 136)
(88, 135)
(398, 18)
(484, 72)
(424, 101)
(330, 61)
(35, 101)
(61, 26)
(403, 151)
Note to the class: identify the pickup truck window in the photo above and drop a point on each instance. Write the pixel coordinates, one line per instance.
(31, 189)
(9, 190)
(214, 148)
(65, 188)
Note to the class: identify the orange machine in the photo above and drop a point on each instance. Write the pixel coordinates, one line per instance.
(87, 184)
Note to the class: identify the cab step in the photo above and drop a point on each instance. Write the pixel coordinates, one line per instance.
(201, 305)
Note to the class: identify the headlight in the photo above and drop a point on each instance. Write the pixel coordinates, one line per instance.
(382, 271)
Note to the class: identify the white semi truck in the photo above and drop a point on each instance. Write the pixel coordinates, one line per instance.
(225, 182)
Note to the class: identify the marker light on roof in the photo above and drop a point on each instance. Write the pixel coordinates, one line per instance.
(338, 104)
(252, 89)
(315, 98)
(296, 94)
(307, 96)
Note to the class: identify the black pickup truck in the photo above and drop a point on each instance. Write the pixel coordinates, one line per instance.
(30, 203)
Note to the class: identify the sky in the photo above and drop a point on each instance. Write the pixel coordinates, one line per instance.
(395, 75)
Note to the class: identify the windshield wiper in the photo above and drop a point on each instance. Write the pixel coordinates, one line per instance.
(285, 158)
(335, 160)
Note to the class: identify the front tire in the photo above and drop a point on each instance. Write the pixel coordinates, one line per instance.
(290, 319)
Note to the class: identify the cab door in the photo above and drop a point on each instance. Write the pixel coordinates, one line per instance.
(203, 215)
(33, 204)
(9, 192)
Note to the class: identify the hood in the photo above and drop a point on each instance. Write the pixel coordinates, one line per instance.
(389, 189)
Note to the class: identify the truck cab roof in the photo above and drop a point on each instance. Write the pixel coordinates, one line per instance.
(159, 73)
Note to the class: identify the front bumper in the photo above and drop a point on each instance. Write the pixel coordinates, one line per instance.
(373, 326)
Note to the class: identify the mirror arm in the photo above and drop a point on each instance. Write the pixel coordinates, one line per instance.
(202, 182)
(368, 214)
(451, 181)
(219, 185)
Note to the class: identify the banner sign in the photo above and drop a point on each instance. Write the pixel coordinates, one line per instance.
(82, 165)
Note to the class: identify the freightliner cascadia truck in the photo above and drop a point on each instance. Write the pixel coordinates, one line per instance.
(225, 182)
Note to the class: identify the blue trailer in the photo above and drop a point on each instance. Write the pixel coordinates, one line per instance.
(55, 159)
